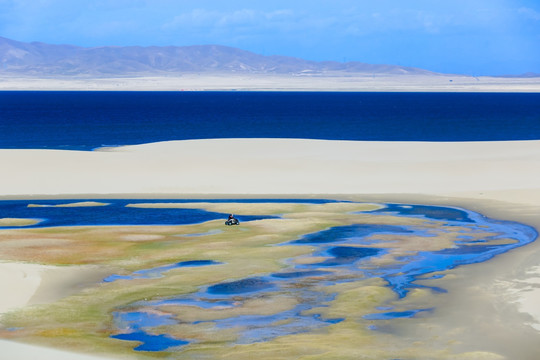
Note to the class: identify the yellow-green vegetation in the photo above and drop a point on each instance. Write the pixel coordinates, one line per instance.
(76, 204)
(263, 208)
(84, 321)
(9, 222)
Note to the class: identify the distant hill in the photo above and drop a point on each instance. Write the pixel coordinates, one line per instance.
(525, 75)
(40, 59)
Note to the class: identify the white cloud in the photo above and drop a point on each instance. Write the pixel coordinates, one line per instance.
(197, 17)
(529, 13)
(215, 19)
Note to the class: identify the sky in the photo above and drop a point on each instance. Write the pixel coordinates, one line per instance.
(473, 37)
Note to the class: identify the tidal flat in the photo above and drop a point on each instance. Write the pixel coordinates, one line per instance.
(306, 281)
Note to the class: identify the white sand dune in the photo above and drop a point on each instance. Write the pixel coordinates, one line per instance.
(16, 351)
(505, 172)
(22, 280)
(497, 170)
(25, 284)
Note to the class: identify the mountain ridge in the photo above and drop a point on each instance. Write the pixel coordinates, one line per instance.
(42, 59)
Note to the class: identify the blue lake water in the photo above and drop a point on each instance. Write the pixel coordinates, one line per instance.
(87, 120)
(116, 212)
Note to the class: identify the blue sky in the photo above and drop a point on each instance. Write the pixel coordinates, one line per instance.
(476, 37)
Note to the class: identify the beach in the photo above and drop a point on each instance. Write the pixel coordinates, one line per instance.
(497, 179)
(276, 82)
(506, 171)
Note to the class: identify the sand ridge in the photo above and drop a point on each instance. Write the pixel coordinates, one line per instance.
(281, 166)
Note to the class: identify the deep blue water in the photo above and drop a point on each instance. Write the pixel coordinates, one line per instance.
(149, 342)
(240, 286)
(117, 213)
(114, 213)
(87, 120)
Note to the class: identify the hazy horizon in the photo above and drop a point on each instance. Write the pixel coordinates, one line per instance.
(478, 37)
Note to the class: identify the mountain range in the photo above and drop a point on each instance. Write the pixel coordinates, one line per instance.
(40, 59)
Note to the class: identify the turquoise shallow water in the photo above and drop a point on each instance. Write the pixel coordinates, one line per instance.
(348, 251)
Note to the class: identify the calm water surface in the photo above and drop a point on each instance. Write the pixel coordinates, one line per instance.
(87, 120)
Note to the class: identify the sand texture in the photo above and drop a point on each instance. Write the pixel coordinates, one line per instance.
(506, 171)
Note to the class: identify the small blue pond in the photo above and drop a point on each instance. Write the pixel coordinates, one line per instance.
(240, 286)
(134, 325)
(395, 314)
(429, 212)
(157, 272)
(347, 255)
(351, 233)
(151, 342)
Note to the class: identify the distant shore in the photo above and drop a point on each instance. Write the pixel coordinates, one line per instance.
(267, 82)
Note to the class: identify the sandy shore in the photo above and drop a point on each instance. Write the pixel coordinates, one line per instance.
(15, 351)
(507, 171)
(498, 179)
(276, 82)
(29, 284)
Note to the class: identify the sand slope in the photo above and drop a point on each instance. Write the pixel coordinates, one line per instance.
(499, 170)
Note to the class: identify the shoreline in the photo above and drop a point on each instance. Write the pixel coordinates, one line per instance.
(349, 82)
(505, 171)
(496, 179)
(32, 284)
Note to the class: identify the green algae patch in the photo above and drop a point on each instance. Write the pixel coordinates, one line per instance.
(259, 306)
(358, 298)
(18, 222)
(75, 204)
(271, 208)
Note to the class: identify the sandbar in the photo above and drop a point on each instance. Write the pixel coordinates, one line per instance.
(76, 204)
(4, 222)
(277, 82)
